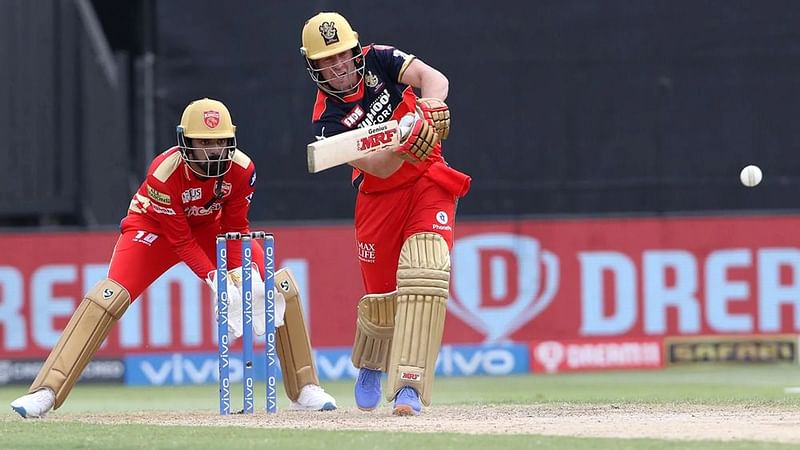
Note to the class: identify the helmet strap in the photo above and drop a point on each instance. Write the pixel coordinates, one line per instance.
(217, 193)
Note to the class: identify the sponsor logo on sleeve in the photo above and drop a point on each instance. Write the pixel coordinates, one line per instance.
(162, 210)
(352, 118)
(158, 196)
(399, 54)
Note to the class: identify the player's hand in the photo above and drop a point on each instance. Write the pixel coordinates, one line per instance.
(437, 113)
(418, 142)
(234, 301)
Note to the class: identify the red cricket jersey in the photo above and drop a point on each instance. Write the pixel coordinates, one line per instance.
(417, 198)
(381, 97)
(173, 201)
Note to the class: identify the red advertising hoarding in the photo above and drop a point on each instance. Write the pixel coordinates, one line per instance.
(529, 280)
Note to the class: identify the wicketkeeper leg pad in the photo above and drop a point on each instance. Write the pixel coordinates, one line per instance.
(374, 330)
(86, 330)
(294, 345)
(423, 280)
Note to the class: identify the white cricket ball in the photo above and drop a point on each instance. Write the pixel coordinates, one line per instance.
(750, 176)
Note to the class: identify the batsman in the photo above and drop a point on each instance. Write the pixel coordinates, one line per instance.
(405, 206)
(192, 192)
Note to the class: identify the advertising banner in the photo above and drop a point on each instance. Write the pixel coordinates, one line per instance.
(596, 354)
(332, 364)
(511, 281)
(731, 349)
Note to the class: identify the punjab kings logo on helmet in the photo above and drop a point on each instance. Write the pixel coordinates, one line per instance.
(211, 118)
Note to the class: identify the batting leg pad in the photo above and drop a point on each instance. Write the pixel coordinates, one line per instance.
(423, 281)
(86, 330)
(294, 345)
(374, 330)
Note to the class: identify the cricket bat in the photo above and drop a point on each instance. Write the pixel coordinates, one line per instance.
(352, 145)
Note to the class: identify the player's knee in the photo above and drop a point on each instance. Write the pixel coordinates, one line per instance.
(424, 266)
(374, 330)
(110, 296)
(286, 284)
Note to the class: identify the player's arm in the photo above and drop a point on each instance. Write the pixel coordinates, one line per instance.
(430, 82)
(166, 207)
(433, 86)
(379, 164)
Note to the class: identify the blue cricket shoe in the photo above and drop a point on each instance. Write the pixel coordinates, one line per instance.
(406, 402)
(368, 389)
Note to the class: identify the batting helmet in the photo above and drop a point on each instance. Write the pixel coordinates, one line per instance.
(327, 34)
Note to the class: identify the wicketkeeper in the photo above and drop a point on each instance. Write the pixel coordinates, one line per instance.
(192, 192)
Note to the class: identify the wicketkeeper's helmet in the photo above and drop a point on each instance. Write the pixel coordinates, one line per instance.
(207, 119)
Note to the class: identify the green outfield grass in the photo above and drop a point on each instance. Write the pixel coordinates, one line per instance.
(714, 385)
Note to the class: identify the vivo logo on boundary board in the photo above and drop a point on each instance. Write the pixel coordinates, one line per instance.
(332, 364)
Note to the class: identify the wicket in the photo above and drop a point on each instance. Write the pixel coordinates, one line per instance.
(247, 321)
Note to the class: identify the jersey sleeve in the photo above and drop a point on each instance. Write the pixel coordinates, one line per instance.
(393, 60)
(236, 208)
(165, 203)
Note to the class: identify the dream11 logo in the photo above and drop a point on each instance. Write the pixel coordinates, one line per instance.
(500, 282)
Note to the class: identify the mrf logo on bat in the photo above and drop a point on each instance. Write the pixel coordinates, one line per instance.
(378, 136)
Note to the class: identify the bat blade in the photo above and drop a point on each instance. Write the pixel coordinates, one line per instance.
(352, 145)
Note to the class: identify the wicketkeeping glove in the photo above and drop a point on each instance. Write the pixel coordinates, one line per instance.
(235, 303)
(235, 329)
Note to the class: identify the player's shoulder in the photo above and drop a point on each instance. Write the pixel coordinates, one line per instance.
(386, 51)
(242, 166)
(241, 161)
(243, 169)
(166, 165)
(329, 110)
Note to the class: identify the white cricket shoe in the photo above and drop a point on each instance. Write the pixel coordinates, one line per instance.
(314, 398)
(36, 404)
